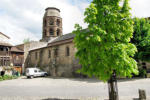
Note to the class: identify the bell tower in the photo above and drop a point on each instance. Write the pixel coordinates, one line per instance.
(52, 24)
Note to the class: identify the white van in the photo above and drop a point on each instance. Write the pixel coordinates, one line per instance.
(35, 72)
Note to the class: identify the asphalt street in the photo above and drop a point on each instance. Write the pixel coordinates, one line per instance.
(87, 89)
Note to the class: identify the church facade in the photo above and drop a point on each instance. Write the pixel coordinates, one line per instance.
(56, 55)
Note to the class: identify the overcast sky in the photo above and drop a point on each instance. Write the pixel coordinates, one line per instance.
(20, 19)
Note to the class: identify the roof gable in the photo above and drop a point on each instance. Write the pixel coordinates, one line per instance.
(5, 35)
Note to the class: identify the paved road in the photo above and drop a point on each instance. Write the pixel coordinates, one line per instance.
(44, 88)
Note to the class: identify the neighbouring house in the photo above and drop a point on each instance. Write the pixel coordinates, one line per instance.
(11, 57)
(5, 51)
(17, 58)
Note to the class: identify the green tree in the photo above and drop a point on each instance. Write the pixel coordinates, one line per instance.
(141, 38)
(27, 40)
(103, 49)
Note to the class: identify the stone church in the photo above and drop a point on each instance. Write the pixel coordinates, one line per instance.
(55, 52)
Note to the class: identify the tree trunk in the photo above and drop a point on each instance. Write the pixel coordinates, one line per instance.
(142, 94)
(113, 88)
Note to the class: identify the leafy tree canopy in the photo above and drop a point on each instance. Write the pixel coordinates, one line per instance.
(104, 47)
(141, 38)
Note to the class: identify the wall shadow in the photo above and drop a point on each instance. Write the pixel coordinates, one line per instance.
(58, 99)
(79, 79)
(94, 80)
(136, 99)
(90, 80)
(130, 79)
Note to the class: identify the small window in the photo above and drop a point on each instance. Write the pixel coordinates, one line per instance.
(67, 51)
(49, 53)
(1, 62)
(51, 22)
(51, 32)
(35, 71)
(36, 54)
(58, 22)
(58, 32)
(56, 52)
(39, 70)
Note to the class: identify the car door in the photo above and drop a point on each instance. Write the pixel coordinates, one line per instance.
(38, 72)
(35, 72)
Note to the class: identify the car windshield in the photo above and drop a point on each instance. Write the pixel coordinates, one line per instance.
(40, 71)
(27, 71)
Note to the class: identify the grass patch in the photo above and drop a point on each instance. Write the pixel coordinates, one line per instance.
(7, 77)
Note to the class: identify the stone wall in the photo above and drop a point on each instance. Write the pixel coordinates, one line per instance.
(29, 46)
(148, 65)
(61, 65)
(52, 24)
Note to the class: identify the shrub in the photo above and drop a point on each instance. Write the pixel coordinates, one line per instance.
(7, 77)
(1, 78)
(142, 72)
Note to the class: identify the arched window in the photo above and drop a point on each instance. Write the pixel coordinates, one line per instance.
(56, 52)
(51, 22)
(58, 22)
(67, 51)
(51, 31)
(49, 53)
(58, 32)
(36, 55)
(44, 33)
(44, 22)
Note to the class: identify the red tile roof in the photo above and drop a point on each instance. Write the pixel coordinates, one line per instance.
(15, 49)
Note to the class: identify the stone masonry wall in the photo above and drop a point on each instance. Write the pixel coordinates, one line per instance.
(27, 48)
(61, 66)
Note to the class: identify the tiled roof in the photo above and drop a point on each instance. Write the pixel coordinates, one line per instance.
(67, 36)
(20, 46)
(15, 49)
(64, 37)
(58, 39)
(5, 44)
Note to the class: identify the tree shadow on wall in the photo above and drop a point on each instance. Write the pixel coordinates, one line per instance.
(58, 99)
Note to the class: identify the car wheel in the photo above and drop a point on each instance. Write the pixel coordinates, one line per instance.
(45, 75)
(31, 77)
(28, 76)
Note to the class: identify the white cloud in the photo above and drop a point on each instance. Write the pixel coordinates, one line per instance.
(16, 33)
(22, 19)
(140, 8)
(16, 21)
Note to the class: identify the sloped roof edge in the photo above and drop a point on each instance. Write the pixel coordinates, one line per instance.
(5, 35)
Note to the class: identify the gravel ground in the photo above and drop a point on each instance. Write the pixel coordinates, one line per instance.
(69, 89)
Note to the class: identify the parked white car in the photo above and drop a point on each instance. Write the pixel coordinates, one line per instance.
(35, 72)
